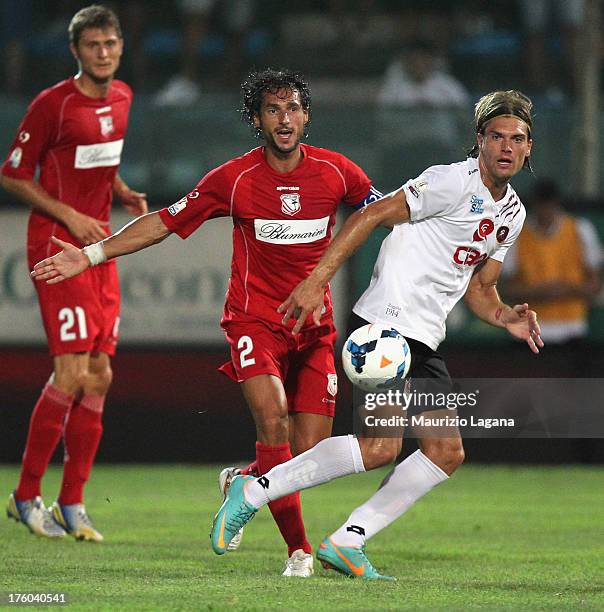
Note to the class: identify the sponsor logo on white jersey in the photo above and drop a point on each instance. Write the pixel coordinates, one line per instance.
(417, 187)
(290, 203)
(106, 125)
(468, 256)
(280, 231)
(103, 154)
(477, 205)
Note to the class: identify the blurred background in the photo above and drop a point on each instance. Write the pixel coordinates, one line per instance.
(393, 87)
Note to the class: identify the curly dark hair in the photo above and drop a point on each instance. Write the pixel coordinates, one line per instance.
(272, 81)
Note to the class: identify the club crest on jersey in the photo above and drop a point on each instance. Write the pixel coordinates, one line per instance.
(502, 233)
(106, 123)
(290, 203)
(332, 384)
(485, 227)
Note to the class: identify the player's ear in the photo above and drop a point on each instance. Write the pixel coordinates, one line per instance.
(74, 51)
(479, 139)
(256, 120)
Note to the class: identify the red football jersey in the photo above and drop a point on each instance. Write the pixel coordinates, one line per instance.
(282, 223)
(76, 141)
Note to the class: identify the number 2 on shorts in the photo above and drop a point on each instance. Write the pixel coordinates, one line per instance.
(245, 343)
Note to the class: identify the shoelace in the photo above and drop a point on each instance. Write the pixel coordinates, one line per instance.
(367, 562)
(243, 516)
(83, 516)
(48, 522)
(296, 564)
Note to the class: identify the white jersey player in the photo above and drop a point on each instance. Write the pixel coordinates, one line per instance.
(454, 225)
(451, 229)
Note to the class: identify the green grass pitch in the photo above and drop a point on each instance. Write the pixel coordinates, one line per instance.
(492, 538)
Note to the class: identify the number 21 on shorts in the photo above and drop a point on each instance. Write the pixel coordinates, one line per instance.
(73, 324)
(245, 343)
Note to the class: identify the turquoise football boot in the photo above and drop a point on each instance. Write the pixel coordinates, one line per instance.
(347, 560)
(234, 513)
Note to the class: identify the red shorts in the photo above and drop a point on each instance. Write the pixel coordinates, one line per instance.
(81, 314)
(304, 363)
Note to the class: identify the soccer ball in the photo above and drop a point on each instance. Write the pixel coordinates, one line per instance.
(376, 357)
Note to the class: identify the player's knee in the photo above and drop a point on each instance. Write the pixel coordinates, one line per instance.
(70, 378)
(306, 438)
(305, 442)
(273, 427)
(98, 382)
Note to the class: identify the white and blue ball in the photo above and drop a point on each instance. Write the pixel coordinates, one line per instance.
(376, 357)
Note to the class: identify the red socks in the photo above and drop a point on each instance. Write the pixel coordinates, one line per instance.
(83, 432)
(286, 511)
(251, 470)
(45, 429)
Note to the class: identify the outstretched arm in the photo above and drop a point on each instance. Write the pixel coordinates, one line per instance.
(137, 235)
(307, 297)
(483, 300)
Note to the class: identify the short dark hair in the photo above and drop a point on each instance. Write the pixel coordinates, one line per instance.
(93, 16)
(511, 103)
(256, 84)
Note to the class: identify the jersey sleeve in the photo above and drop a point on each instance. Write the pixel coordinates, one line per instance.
(510, 265)
(358, 184)
(433, 192)
(208, 200)
(500, 252)
(36, 133)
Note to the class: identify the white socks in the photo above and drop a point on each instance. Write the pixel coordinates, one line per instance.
(329, 459)
(404, 485)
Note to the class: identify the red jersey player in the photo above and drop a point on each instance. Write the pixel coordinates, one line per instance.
(282, 198)
(73, 132)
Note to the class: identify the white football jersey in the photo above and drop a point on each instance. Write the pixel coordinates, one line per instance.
(425, 265)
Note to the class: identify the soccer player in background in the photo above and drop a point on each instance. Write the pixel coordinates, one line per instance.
(283, 198)
(452, 227)
(74, 133)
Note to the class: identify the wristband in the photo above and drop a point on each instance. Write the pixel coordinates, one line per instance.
(95, 253)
